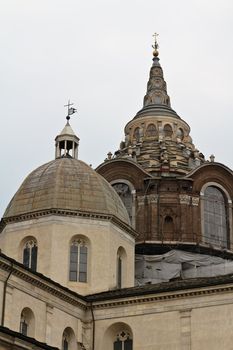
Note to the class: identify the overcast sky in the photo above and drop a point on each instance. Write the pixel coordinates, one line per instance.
(98, 54)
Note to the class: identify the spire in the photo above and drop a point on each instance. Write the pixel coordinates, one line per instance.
(156, 88)
(66, 143)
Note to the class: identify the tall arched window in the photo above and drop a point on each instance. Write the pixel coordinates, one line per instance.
(121, 267)
(151, 130)
(215, 217)
(69, 340)
(27, 322)
(30, 254)
(65, 341)
(78, 260)
(168, 130)
(136, 134)
(123, 341)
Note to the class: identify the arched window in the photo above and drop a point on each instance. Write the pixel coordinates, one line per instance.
(121, 267)
(136, 134)
(27, 322)
(30, 254)
(180, 134)
(65, 341)
(215, 217)
(123, 341)
(126, 196)
(78, 260)
(151, 130)
(168, 130)
(69, 340)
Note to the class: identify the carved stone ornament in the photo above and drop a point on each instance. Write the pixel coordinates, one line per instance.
(164, 211)
(152, 198)
(141, 200)
(195, 201)
(184, 199)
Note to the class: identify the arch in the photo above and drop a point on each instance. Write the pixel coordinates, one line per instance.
(121, 267)
(29, 252)
(167, 130)
(68, 339)
(180, 134)
(215, 215)
(118, 336)
(79, 248)
(27, 322)
(151, 130)
(136, 134)
(126, 192)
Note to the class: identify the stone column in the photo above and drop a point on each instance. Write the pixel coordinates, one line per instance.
(196, 219)
(185, 229)
(140, 225)
(153, 220)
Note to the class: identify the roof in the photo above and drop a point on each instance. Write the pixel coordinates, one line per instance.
(36, 343)
(68, 184)
(164, 287)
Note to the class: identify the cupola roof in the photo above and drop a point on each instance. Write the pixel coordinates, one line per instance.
(66, 184)
(157, 138)
(156, 100)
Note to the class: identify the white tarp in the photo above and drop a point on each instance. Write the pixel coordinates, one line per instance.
(178, 263)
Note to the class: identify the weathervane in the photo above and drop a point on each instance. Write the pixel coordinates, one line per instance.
(70, 110)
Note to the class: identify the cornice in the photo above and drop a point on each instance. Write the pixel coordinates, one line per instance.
(162, 297)
(69, 213)
(126, 161)
(42, 282)
(135, 300)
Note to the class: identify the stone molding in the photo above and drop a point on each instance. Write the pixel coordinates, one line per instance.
(162, 297)
(76, 213)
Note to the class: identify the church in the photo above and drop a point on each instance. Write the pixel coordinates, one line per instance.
(136, 254)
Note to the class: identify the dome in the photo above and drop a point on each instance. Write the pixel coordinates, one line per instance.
(68, 184)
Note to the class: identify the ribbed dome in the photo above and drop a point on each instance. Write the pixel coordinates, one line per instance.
(68, 184)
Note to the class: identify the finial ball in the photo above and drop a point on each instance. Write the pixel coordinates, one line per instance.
(155, 53)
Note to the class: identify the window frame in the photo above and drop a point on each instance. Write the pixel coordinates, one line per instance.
(30, 253)
(78, 260)
(228, 207)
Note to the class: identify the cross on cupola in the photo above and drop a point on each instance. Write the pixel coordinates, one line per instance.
(67, 142)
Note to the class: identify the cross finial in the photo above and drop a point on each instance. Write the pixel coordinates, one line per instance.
(156, 45)
(70, 110)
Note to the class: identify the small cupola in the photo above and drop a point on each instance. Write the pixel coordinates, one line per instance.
(66, 143)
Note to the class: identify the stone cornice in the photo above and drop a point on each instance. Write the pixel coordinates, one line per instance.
(123, 160)
(42, 282)
(149, 297)
(69, 213)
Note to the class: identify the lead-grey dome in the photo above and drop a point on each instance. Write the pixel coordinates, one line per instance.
(69, 184)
